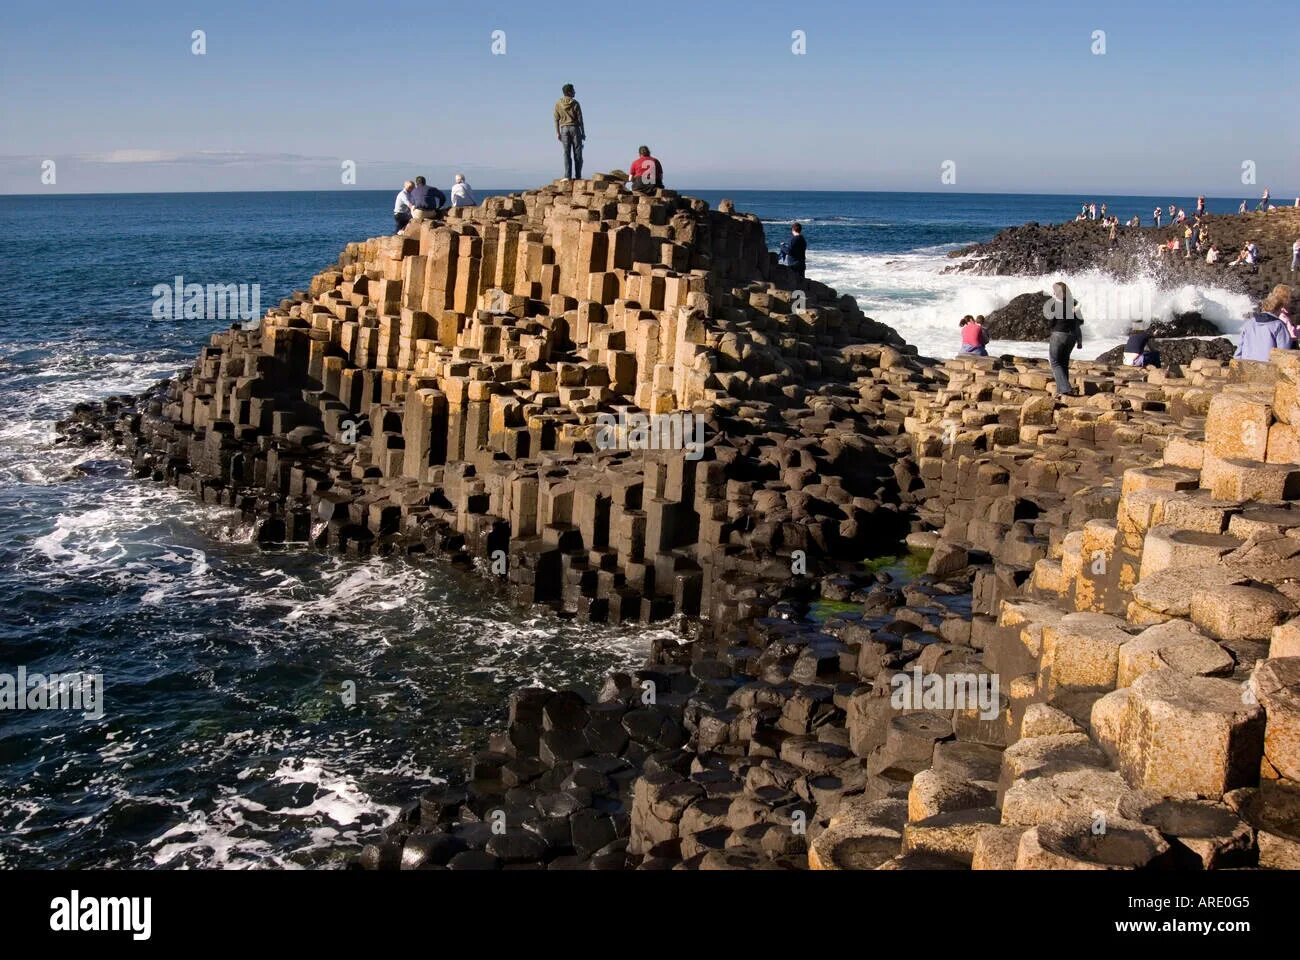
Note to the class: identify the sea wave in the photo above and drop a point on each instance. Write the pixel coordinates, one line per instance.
(911, 293)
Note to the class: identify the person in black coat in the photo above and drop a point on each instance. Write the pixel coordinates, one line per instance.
(797, 252)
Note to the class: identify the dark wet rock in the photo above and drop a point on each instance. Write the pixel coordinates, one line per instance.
(1023, 318)
(1179, 352)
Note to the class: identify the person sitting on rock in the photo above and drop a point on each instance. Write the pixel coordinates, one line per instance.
(425, 199)
(1137, 350)
(1066, 334)
(402, 206)
(1248, 257)
(1267, 330)
(461, 194)
(1212, 256)
(646, 173)
(974, 339)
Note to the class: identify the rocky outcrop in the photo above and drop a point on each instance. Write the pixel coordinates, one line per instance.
(1035, 249)
(1094, 672)
(1179, 351)
(1024, 319)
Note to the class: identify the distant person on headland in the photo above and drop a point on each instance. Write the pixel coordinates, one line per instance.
(796, 252)
(1295, 256)
(974, 339)
(1263, 201)
(646, 173)
(1249, 255)
(461, 194)
(1200, 205)
(1267, 330)
(1242, 208)
(570, 131)
(402, 206)
(1067, 333)
(426, 199)
(1158, 213)
(1137, 349)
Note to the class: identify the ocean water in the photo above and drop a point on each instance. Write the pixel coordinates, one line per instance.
(268, 708)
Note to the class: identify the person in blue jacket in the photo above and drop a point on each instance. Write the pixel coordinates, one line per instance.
(1267, 330)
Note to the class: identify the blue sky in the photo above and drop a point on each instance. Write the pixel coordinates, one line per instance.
(1012, 93)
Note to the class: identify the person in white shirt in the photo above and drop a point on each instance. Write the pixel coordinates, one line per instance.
(1295, 256)
(461, 194)
(402, 206)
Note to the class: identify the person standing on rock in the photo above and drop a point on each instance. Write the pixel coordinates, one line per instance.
(402, 206)
(1295, 256)
(797, 253)
(1157, 214)
(1067, 333)
(1267, 330)
(1242, 208)
(1263, 201)
(570, 131)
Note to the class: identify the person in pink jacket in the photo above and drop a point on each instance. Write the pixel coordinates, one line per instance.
(973, 337)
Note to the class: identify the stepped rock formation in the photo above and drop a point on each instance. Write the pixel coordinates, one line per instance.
(1107, 629)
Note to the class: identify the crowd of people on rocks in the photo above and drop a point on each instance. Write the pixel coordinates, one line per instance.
(1193, 239)
(1090, 211)
(419, 201)
(1271, 327)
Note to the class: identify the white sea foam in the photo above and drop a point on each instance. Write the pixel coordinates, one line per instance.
(912, 294)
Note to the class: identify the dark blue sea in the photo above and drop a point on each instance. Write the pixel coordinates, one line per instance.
(225, 739)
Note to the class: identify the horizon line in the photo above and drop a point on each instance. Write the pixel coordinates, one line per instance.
(685, 191)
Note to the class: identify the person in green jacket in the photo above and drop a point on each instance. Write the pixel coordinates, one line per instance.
(570, 132)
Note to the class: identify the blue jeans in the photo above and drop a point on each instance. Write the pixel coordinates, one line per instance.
(571, 144)
(1059, 348)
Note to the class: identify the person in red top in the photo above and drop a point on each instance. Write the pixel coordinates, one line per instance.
(647, 173)
(974, 339)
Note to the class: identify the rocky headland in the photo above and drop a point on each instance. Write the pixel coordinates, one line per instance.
(1098, 669)
(1034, 249)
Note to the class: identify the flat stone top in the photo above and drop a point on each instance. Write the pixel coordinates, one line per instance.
(1199, 538)
(1192, 694)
